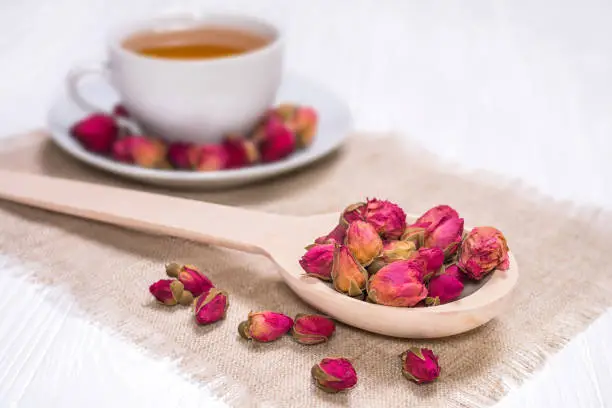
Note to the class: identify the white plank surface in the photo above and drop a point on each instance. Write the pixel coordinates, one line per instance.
(476, 81)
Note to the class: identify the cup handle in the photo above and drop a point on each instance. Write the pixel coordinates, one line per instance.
(73, 80)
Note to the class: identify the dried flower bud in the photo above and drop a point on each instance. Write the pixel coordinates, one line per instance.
(398, 284)
(420, 365)
(443, 288)
(211, 157)
(388, 218)
(444, 229)
(96, 133)
(179, 156)
(392, 251)
(265, 326)
(363, 241)
(193, 280)
(303, 123)
(352, 213)
(312, 328)
(454, 271)
(318, 260)
(334, 374)
(433, 259)
(284, 111)
(241, 152)
(348, 275)
(336, 236)
(211, 307)
(141, 150)
(415, 233)
(167, 291)
(278, 142)
(483, 250)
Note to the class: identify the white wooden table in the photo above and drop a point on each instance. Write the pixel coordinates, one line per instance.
(519, 87)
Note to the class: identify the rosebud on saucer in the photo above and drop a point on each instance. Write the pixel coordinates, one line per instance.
(210, 157)
(420, 365)
(483, 250)
(179, 155)
(334, 374)
(312, 328)
(241, 152)
(318, 260)
(444, 229)
(167, 291)
(336, 236)
(363, 241)
(392, 251)
(388, 218)
(303, 123)
(352, 213)
(193, 280)
(398, 284)
(348, 275)
(265, 326)
(96, 133)
(443, 288)
(211, 307)
(140, 150)
(279, 141)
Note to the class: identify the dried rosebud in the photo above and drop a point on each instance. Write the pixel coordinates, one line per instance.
(454, 271)
(443, 288)
(334, 374)
(415, 233)
(140, 150)
(211, 157)
(211, 307)
(433, 259)
(241, 152)
(420, 365)
(120, 110)
(388, 218)
(167, 291)
(363, 241)
(179, 155)
(392, 251)
(278, 142)
(265, 326)
(352, 213)
(444, 229)
(96, 133)
(312, 328)
(336, 236)
(483, 250)
(285, 111)
(348, 275)
(193, 280)
(318, 260)
(303, 123)
(398, 284)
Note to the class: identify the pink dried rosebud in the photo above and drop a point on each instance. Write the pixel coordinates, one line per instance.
(265, 326)
(363, 241)
(348, 275)
(179, 155)
(96, 133)
(312, 328)
(140, 150)
(278, 143)
(483, 250)
(454, 271)
(209, 157)
(433, 259)
(352, 213)
(334, 374)
(241, 152)
(170, 292)
(303, 122)
(392, 251)
(398, 284)
(318, 260)
(415, 233)
(388, 218)
(193, 280)
(211, 307)
(284, 111)
(336, 236)
(444, 229)
(120, 110)
(443, 288)
(420, 365)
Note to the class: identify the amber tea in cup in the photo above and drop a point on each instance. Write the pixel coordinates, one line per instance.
(195, 43)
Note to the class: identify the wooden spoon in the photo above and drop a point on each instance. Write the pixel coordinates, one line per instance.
(280, 237)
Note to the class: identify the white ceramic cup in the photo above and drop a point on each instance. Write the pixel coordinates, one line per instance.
(190, 100)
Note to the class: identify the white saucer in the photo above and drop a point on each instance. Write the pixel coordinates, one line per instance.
(334, 125)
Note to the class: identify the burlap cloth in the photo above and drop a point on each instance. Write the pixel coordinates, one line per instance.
(562, 251)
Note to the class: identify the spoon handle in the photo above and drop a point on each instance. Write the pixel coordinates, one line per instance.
(213, 224)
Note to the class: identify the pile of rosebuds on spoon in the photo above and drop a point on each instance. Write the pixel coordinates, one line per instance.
(372, 254)
(282, 131)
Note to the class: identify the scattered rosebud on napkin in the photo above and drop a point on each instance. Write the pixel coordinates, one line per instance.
(334, 374)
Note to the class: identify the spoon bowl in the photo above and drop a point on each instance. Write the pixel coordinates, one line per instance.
(279, 237)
